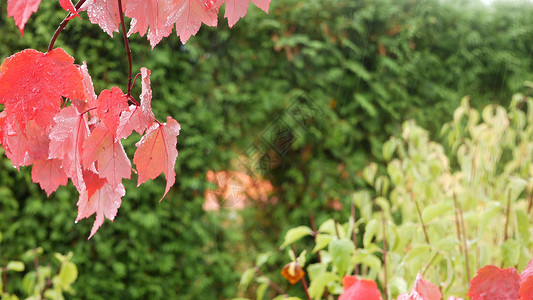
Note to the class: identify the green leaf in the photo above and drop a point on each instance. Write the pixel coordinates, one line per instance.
(67, 275)
(317, 286)
(438, 209)
(417, 252)
(314, 270)
(341, 252)
(510, 253)
(365, 258)
(28, 283)
(388, 149)
(262, 258)
(15, 265)
(370, 230)
(295, 234)
(522, 220)
(246, 278)
(322, 241)
(261, 289)
(302, 258)
(369, 173)
(397, 286)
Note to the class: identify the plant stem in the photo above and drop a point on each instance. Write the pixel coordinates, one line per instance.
(62, 25)
(315, 232)
(337, 229)
(384, 254)
(461, 222)
(354, 234)
(422, 222)
(270, 282)
(507, 217)
(304, 283)
(126, 43)
(4, 277)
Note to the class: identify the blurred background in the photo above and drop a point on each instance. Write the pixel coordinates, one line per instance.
(279, 115)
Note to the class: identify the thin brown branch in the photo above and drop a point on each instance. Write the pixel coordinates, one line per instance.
(354, 234)
(126, 44)
(507, 217)
(422, 222)
(62, 25)
(271, 283)
(385, 288)
(461, 222)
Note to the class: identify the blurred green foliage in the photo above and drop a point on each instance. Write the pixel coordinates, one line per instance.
(306, 94)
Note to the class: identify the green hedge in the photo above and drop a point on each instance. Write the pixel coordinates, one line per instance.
(308, 93)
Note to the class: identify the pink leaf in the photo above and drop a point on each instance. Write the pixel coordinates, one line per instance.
(492, 282)
(67, 5)
(105, 202)
(236, 9)
(104, 13)
(359, 289)
(138, 118)
(110, 104)
(156, 153)
(151, 16)
(49, 174)
(112, 162)
(422, 290)
(66, 143)
(526, 282)
(21, 10)
(32, 83)
(189, 16)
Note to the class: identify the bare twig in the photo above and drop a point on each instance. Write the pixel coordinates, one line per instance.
(354, 234)
(384, 254)
(270, 282)
(127, 44)
(461, 223)
(507, 217)
(422, 222)
(62, 25)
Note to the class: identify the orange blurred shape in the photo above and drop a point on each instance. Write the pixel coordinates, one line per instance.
(293, 272)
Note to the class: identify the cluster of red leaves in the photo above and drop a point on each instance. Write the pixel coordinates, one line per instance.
(157, 17)
(490, 282)
(80, 139)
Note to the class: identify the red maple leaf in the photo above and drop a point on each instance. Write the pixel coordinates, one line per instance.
(189, 16)
(32, 83)
(526, 282)
(68, 6)
(104, 13)
(49, 174)
(21, 10)
(359, 289)
(138, 118)
(492, 282)
(66, 143)
(110, 104)
(104, 201)
(236, 9)
(151, 16)
(112, 162)
(422, 290)
(156, 153)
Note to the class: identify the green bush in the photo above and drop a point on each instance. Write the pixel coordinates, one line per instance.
(443, 214)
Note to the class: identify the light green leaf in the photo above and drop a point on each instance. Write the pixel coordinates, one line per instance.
(322, 241)
(417, 252)
(67, 275)
(370, 230)
(388, 149)
(522, 220)
(397, 286)
(510, 253)
(367, 259)
(15, 265)
(261, 289)
(369, 172)
(341, 252)
(317, 286)
(302, 259)
(295, 234)
(438, 209)
(28, 283)
(246, 278)
(314, 270)
(262, 258)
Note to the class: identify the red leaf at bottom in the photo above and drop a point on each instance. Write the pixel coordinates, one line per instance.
(492, 282)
